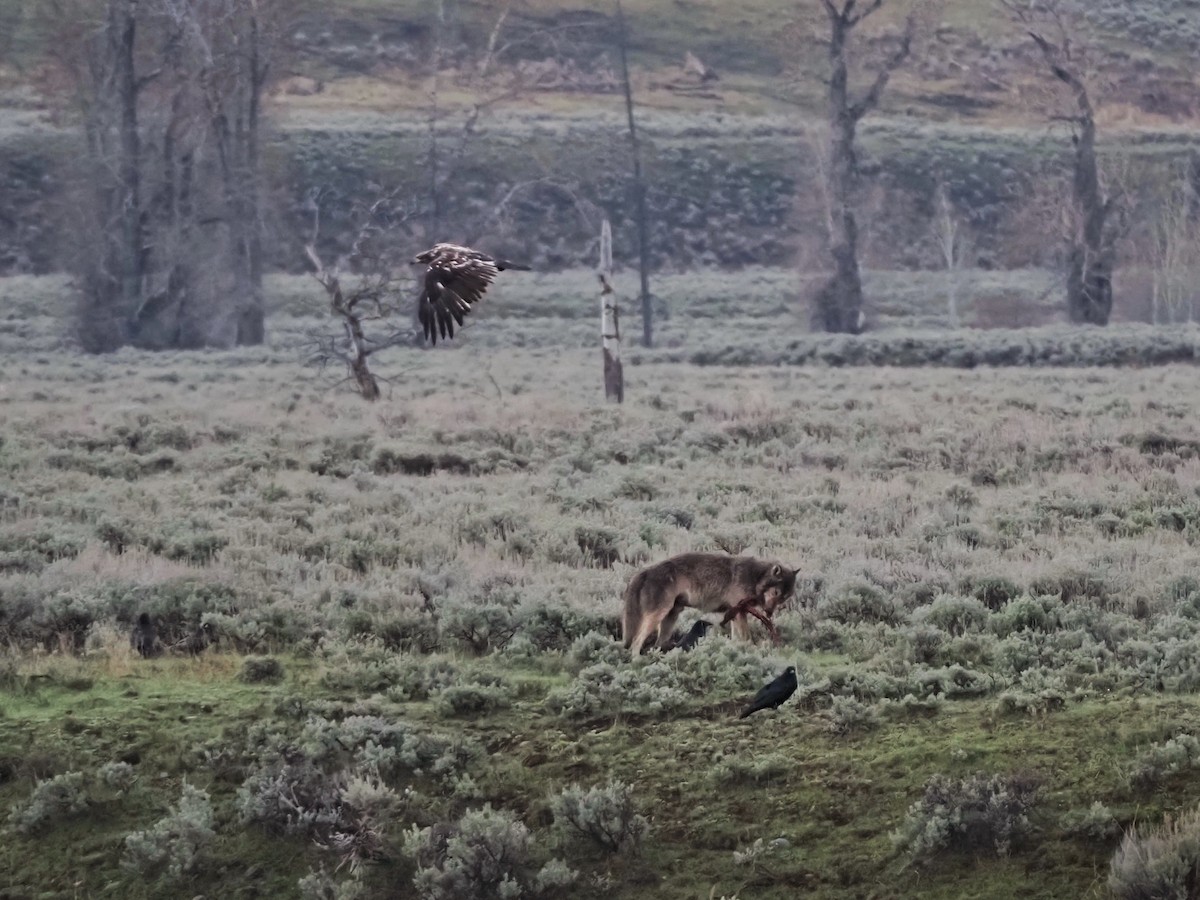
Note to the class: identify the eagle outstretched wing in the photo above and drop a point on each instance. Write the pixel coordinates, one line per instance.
(456, 278)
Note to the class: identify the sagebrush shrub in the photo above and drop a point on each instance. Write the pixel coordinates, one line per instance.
(117, 776)
(261, 670)
(1178, 754)
(606, 816)
(51, 800)
(556, 628)
(472, 699)
(1096, 823)
(1160, 862)
(847, 715)
(593, 648)
(174, 844)
(478, 627)
(485, 855)
(603, 690)
(859, 603)
(980, 812)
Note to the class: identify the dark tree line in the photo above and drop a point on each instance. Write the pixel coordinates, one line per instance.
(166, 211)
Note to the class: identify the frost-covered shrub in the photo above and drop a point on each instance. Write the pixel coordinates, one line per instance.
(174, 844)
(478, 627)
(365, 806)
(954, 615)
(261, 669)
(967, 814)
(860, 603)
(51, 800)
(408, 630)
(994, 592)
(1178, 754)
(950, 682)
(321, 885)
(925, 642)
(486, 855)
(847, 715)
(1158, 862)
(472, 699)
(289, 797)
(717, 667)
(1026, 614)
(557, 627)
(117, 776)
(744, 768)
(606, 816)
(593, 648)
(1096, 823)
(602, 690)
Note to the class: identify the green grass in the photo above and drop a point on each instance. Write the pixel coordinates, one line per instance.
(240, 486)
(835, 800)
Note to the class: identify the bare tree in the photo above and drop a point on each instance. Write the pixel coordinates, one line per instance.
(838, 305)
(642, 220)
(951, 243)
(1176, 255)
(168, 246)
(367, 304)
(1096, 216)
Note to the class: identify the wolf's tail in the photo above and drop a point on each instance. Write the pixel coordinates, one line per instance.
(631, 610)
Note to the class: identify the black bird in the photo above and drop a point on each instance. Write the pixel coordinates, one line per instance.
(455, 278)
(770, 696)
(698, 630)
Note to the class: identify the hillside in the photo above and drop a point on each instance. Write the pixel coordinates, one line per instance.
(731, 159)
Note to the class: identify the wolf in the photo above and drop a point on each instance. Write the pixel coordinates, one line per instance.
(709, 582)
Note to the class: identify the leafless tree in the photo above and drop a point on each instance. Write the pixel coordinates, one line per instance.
(367, 303)
(951, 242)
(168, 213)
(642, 219)
(1175, 249)
(838, 305)
(1097, 216)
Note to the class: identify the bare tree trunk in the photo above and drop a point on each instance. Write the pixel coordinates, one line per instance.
(1092, 251)
(838, 305)
(610, 325)
(251, 323)
(948, 234)
(639, 187)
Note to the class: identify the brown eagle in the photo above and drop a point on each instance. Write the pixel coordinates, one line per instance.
(455, 278)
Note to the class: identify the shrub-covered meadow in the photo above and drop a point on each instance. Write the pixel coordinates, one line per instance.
(386, 661)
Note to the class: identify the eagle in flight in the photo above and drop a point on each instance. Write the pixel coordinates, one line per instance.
(455, 278)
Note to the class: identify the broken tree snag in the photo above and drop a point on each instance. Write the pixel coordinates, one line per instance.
(356, 361)
(1093, 251)
(610, 325)
(1098, 219)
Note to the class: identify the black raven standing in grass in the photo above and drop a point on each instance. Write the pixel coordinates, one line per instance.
(455, 277)
(698, 630)
(770, 696)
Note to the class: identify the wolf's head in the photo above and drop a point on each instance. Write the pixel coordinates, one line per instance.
(777, 584)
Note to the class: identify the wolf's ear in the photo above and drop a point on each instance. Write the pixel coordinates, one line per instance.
(776, 570)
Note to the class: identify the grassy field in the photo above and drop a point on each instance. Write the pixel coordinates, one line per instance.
(412, 605)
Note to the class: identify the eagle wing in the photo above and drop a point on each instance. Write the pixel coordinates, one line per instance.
(453, 282)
